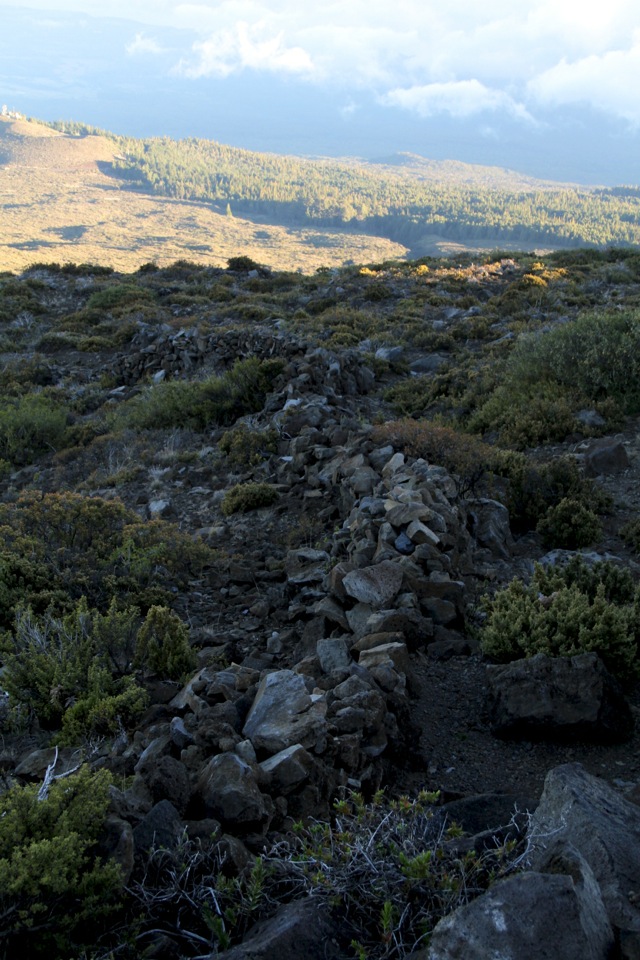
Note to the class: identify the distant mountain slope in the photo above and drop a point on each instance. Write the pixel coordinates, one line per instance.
(71, 192)
(61, 201)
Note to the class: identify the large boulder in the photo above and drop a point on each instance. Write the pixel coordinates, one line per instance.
(285, 713)
(557, 698)
(604, 827)
(229, 792)
(530, 916)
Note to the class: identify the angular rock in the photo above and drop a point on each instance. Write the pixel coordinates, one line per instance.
(376, 585)
(302, 929)
(162, 827)
(288, 769)
(167, 779)
(489, 522)
(333, 654)
(557, 698)
(397, 653)
(605, 456)
(530, 916)
(604, 827)
(284, 713)
(229, 792)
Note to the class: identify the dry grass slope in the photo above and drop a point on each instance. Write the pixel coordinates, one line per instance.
(60, 203)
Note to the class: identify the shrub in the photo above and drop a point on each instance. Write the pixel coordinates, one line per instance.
(70, 671)
(570, 525)
(198, 404)
(118, 295)
(463, 455)
(248, 496)
(58, 547)
(30, 427)
(54, 890)
(523, 621)
(393, 869)
(535, 488)
(245, 447)
(162, 645)
(242, 264)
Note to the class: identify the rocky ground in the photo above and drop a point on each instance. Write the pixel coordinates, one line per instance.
(337, 638)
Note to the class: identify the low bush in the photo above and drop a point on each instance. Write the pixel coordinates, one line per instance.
(31, 426)
(199, 404)
(162, 646)
(465, 456)
(58, 547)
(118, 295)
(248, 496)
(563, 614)
(569, 525)
(73, 672)
(55, 892)
(245, 447)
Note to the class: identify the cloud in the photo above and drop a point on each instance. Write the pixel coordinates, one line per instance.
(460, 99)
(243, 47)
(142, 44)
(610, 83)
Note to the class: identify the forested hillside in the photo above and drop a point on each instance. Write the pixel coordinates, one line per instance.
(402, 202)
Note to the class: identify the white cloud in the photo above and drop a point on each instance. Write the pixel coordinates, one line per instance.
(228, 51)
(461, 57)
(610, 82)
(461, 99)
(142, 44)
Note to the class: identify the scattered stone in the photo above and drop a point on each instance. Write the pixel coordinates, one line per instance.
(229, 792)
(284, 713)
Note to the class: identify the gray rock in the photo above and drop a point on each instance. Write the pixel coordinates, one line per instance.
(333, 654)
(288, 769)
(284, 713)
(557, 698)
(302, 929)
(606, 456)
(376, 585)
(229, 792)
(530, 916)
(490, 525)
(162, 827)
(604, 827)
(167, 779)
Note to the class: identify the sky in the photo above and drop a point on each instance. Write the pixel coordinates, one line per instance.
(546, 87)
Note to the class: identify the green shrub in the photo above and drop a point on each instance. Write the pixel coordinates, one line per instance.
(245, 447)
(535, 488)
(162, 645)
(29, 427)
(58, 547)
(117, 296)
(242, 264)
(72, 671)
(54, 890)
(248, 496)
(570, 525)
(199, 404)
(523, 621)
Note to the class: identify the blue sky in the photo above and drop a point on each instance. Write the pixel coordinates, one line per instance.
(549, 87)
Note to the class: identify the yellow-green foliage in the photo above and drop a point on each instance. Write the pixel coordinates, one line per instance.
(562, 616)
(248, 496)
(119, 295)
(54, 891)
(162, 645)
